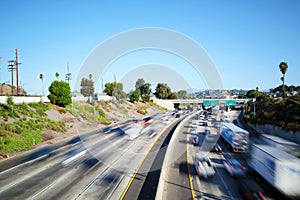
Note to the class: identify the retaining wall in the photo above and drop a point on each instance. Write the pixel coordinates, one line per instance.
(277, 131)
(20, 99)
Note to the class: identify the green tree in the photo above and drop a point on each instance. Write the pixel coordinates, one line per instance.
(57, 76)
(253, 93)
(109, 88)
(60, 93)
(135, 96)
(162, 91)
(42, 79)
(145, 92)
(87, 86)
(139, 83)
(115, 89)
(182, 94)
(283, 66)
(172, 95)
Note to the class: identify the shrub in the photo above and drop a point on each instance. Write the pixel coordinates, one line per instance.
(9, 100)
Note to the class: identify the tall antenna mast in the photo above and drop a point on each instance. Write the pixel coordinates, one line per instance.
(17, 74)
(102, 86)
(68, 75)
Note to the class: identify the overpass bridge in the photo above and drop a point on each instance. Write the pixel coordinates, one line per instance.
(169, 103)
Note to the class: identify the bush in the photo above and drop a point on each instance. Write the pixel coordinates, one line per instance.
(142, 110)
(60, 93)
(9, 100)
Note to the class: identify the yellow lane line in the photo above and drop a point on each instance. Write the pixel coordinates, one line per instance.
(188, 167)
(138, 168)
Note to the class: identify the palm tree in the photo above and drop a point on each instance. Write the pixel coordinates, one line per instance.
(57, 75)
(42, 78)
(283, 68)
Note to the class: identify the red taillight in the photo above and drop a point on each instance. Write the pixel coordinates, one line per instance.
(243, 168)
(248, 194)
(231, 169)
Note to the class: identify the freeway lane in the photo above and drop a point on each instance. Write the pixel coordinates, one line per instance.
(143, 184)
(90, 169)
(222, 185)
(176, 182)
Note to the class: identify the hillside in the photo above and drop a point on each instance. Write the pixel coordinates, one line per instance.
(6, 89)
(278, 112)
(27, 126)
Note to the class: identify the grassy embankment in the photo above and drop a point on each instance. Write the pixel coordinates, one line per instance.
(277, 112)
(22, 125)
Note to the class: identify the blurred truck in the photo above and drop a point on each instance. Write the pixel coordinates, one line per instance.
(237, 139)
(279, 168)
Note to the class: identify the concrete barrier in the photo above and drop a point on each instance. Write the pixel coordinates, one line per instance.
(277, 131)
(20, 99)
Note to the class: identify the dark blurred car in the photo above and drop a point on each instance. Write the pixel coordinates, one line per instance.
(234, 167)
(194, 140)
(203, 123)
(251, 190)
(206, 131)
(216, 149)
(177, 115)
(107, 129)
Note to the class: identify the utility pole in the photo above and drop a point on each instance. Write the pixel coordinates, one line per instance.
(102, 86)
(11, 67)
(17, 73)
(68, 75)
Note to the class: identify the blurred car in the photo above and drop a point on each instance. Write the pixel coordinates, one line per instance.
(206, 131)
(251, 190)
(204, 166)
(194, 140)
(177, 115)
(193, 131)
(234, 168)
(203, 123)
(108, 129)
(217, 149)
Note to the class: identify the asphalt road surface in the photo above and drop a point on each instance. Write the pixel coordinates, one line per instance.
(90, 167)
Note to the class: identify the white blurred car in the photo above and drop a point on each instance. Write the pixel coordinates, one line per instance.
(204, 166)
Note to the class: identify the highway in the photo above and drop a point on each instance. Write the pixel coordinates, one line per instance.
(152, 160)
(91, 166)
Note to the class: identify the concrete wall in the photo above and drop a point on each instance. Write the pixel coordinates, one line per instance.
(20, 99)
(277, 131)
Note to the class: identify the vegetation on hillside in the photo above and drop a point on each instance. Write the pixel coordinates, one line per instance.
(280, 112)
(87, 86)
(22, 125)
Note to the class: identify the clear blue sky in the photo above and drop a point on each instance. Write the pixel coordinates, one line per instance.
(245, 39)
